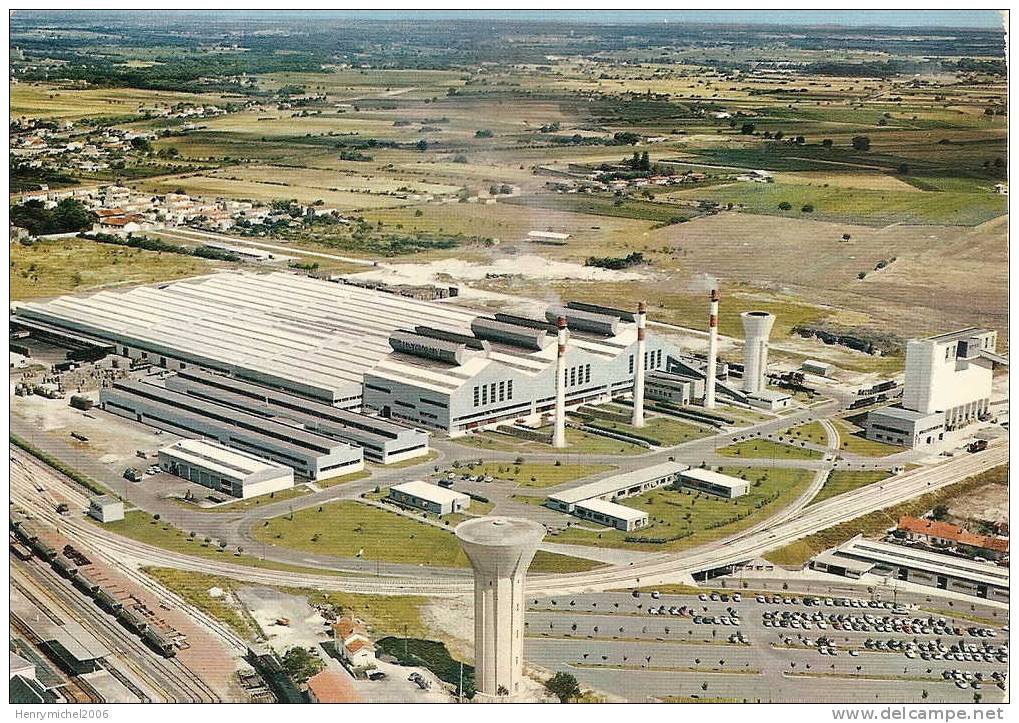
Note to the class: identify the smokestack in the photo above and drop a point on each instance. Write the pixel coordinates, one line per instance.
(709, 383)
(756, 328)
(638, 368)
(559, 433)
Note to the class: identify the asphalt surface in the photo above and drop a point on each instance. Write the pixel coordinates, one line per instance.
(610, 642)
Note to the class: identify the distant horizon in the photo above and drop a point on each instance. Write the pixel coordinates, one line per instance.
(980, 19)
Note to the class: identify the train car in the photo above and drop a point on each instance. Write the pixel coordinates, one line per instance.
(84, 583)
(132, 620)
(160, 642)
(107, 601)
(43, 550)
(65, 567)
(25, 532)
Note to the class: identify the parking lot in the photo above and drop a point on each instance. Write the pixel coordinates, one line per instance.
(777, 648)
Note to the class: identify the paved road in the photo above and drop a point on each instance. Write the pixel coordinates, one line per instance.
(664, 568)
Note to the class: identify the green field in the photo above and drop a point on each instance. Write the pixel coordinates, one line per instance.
(766, 449)
(352, 529)
(577, 442)
(194, 588)
(811, 432)
(852, 441)
(841, 481)
(857, 205)
(538, 475)
(55, 267)
(683, 519)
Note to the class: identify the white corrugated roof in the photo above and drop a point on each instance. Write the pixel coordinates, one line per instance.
(220, 458)
(617, 483)
(715, 478)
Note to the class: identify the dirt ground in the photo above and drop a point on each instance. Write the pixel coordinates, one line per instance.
(988, 503)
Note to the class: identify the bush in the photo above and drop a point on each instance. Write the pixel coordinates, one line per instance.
(785, 206)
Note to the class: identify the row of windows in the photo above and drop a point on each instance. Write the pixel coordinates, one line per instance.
(577, 375)
(494, 392)
(652, 360)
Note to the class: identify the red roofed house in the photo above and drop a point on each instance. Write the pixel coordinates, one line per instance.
(353, 643)
(945, 534)
(331, 686)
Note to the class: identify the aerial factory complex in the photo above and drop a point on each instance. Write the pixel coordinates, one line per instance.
(590, 359)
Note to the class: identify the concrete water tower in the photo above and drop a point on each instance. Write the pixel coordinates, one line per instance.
(756, 328)
(500, 550)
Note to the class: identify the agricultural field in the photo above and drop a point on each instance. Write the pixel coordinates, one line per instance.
(38, 100)
(54, 267)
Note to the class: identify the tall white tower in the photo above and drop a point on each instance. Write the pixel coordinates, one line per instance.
(638, 369)
(756, 328)
(500, 550)
(709, 381)
(559, 430)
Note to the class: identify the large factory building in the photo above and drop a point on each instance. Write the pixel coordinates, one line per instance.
(424, 363)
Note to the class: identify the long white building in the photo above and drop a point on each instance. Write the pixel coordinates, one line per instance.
(429, 364)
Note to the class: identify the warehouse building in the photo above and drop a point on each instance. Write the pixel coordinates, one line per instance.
(714, 483)
(616, 487)
(428, 364)
(948, 386)
(382, 440)
(222, 469)
(946, 572)
(429, 497)
(312, 456)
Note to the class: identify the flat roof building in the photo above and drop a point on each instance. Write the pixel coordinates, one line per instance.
(905, 427)
(714, 483)
(220, 468)
(105, 508)
(674, 388)
(429, 497)
(610, 514)
(310, 455)
(910, 564)
(616, 487)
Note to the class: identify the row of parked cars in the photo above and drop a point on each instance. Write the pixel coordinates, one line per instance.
(937, 650)
(975, 680)
(837, 602)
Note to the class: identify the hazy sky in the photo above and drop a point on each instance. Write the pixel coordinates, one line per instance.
(897, 18)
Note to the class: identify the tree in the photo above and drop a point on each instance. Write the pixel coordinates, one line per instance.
(807, 208)
(861, 143)
(483, 133)
(939, 512)
(903, 169)
(563, 686)
(785, 205)
(747, 129)
(299, 664)
(827, 143)
(421, 145)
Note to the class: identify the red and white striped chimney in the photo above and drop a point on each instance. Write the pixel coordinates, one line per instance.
(709, 383)
(559, 430)
(638, 368)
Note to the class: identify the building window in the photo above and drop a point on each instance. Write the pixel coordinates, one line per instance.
(631, 364)
(573, 376)
(476, 395)
(484, 394)
(509, 389)
(587, 374)
(491, 391)
(502, 391)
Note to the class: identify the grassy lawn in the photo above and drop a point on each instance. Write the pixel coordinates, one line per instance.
(842, 481)
(873, 523)
(811, 432)
(238, 505)
(538, 475)
(194, 588)
(347, 528)
(52, 268)
(766, 449)
(668, 431)
(142, 527)
(851, 441)
(683, 518)
(577, 443)
(343, 479)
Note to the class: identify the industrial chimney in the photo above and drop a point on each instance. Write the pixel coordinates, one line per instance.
(559, 433)
(638, 369)
(756, 328)
(709, 382)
